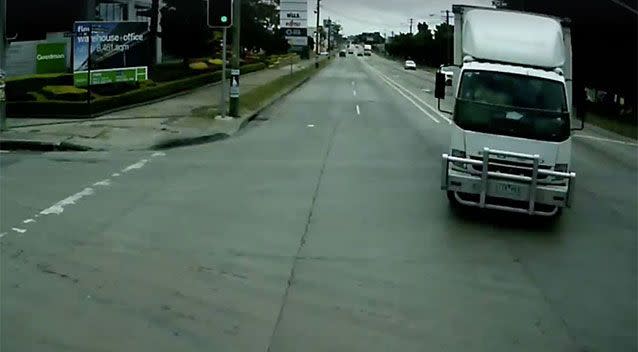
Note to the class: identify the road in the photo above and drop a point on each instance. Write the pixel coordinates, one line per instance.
(319, 227)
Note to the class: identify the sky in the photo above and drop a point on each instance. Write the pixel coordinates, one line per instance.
(385, 16)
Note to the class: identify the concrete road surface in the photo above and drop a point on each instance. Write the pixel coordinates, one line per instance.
(320, 227)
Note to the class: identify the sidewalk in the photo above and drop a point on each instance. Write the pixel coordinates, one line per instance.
(179, 120)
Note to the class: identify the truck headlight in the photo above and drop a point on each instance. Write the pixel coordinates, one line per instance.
(459, 154)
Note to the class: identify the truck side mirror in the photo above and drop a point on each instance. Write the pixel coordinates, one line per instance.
(439, 86)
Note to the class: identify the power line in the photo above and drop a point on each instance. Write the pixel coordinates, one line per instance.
(627, 7)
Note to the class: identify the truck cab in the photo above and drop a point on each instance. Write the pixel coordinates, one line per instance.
(510, 146)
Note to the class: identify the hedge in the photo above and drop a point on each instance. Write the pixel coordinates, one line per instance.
(66, 93)
(146, 92)
(17, 89)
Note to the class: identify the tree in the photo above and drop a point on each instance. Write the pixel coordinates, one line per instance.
(260, 27)
(184, 30)
(603, 36)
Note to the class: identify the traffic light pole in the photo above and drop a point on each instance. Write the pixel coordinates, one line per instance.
(234, 99)
(3, 64)
(222, 98)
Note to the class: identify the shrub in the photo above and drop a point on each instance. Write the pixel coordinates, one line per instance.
(198, 66)
(17, 88)
(114, 88)
(147, 91)
(67, 93)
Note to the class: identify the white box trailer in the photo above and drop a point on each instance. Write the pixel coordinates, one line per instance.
(510, 145)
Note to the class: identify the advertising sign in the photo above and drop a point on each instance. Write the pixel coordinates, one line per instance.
(111, 51)
(50, 58)
(298, 41)
(293, 21)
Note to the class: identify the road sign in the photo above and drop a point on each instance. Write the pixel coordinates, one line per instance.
(234, 83)
(295, 32)
(220, 13)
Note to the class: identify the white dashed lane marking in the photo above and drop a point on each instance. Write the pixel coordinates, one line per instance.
(59, 207)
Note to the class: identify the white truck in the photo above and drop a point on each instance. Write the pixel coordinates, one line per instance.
(511, 144)
(367, 50)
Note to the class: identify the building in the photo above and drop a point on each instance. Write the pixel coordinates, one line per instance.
(35, 22)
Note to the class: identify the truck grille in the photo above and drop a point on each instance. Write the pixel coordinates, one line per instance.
(511, 167)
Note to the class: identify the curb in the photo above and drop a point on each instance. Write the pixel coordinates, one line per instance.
(255, 114)
(189, 141)
(42, 146)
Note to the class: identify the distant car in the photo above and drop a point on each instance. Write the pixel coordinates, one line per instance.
(324, 53)
(449, 75)
(409, 65)
(342, 53)
(350, 51)
(359, 54)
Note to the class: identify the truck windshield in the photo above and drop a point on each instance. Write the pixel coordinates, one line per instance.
(512, 105)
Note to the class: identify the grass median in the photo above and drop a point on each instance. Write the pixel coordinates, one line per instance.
(263, 95)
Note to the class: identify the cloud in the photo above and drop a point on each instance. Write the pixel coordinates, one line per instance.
(358, 16)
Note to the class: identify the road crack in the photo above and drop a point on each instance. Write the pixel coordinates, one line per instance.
(304, 236)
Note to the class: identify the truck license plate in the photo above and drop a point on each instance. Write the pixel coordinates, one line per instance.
(508, 190)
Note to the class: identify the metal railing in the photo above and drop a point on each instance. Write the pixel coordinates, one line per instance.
(486, 174)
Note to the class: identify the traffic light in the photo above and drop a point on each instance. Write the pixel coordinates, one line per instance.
(220, 13)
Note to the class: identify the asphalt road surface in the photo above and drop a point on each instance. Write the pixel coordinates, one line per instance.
(320, 227)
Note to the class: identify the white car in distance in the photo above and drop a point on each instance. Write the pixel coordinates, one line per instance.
(409, 65)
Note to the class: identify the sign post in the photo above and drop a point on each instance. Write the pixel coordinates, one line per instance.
(220, 15)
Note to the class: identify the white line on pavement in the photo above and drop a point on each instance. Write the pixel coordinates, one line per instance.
(311, 125)
(155, 155)
(413, 95)
(606, 140)
(138, 165)
(358, 110)
(354, 92)
(411, 101)
(105, 182)
(58, 208)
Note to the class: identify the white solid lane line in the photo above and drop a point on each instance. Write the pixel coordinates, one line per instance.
(358, 110)
(411, 100)
(449, 121)
(601, 139)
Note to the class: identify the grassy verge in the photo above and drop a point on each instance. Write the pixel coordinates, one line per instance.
(261, 96)
(623, 128)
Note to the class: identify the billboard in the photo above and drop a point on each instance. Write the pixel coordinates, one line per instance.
(50, 58)
(293, 21)
(119, 52)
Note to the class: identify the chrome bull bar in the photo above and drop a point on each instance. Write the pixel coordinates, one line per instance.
(486, 176)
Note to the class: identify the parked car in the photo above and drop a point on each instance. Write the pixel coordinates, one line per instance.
(409, 65)
(342, 53)
(324, 53)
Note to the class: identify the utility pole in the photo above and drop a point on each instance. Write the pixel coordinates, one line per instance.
(3, 64)
(318, 36)
(329, 33)
(234, 98)
(411, 23)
